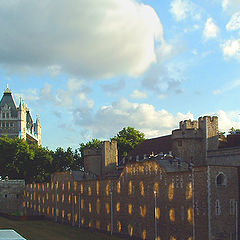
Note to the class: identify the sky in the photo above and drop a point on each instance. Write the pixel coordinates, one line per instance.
(90, 68)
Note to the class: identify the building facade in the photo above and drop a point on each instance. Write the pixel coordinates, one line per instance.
(17, 121)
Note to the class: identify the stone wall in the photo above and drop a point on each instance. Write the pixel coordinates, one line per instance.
(11, 195)
(143, 195)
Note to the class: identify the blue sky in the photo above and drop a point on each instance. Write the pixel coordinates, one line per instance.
(90, 68)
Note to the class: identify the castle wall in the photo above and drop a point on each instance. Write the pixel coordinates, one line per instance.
(126, 205)
(11, 195)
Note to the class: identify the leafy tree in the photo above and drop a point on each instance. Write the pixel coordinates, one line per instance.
(234, 131)
(127, 139)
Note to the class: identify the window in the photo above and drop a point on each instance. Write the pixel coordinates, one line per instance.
(232, 207)
(217, 207)
(3, 115)
(7, 115)
(179, 143)
(221, 180)
(5, 195)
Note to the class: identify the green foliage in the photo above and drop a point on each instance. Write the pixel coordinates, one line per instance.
(127, 139)
(234, 131)
(34, 163)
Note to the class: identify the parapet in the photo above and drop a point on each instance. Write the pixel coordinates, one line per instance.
(188, 124)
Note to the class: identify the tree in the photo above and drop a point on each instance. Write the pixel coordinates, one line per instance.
(234, 131)
(127, 139)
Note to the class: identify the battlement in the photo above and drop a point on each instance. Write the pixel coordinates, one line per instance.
(186, 134)
(188, 124)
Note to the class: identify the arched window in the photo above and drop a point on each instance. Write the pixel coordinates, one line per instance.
(221, 179)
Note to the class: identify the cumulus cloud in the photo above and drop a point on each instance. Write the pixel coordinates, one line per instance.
(227, 120)
(234, 23)
(163, 80)
(138, 94)
(110, 119)
(211, 30)
(182, 9)
(231, 48)
(103, 39)
(231, 5)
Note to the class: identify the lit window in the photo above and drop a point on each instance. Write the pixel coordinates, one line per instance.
(190, 215)
(189, 191)
(118, 187)
(143, 210)
(69, 185)
(107, 189)
(63, 198)
(81, 188)
(157, 214)
(173, 238)
(89, 191)
(144, 234)
(130, 230)
(170, 191)
(69, 217)
(69, 198)
(82, 220)
(107, 206)
(63, 186)
(118, 206)
(75, 199)
(90, 224)
(141, 186)
(156, 187)
(75, 217)
(98, 206)
(130, 208)
(97, 187)
(130, 188)
(63, 213)
(82, 203)
(172, 215)
(75, 186)
(90, 207)
(108, 227)
(119, 226)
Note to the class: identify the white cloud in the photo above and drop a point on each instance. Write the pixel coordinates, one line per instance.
(231, 48)
(182, 9)
(103, 39)
(234, 23)
(112, 118)
(211, 30)
(228, 87)
(138, 94)
(231, 5)
(227, 120)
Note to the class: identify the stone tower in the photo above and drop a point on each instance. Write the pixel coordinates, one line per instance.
(194, 138)
(103, 160)
(17, 121)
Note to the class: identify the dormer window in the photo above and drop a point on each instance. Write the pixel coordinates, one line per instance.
(221, 180)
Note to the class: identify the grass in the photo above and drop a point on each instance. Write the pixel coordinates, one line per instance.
(41, 230)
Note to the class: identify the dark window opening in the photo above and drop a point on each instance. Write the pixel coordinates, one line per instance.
(5, 195)
(221, 180)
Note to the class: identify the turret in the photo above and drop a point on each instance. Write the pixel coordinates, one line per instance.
(194, 138)
(38, 130)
